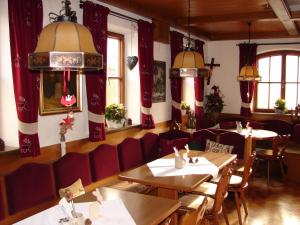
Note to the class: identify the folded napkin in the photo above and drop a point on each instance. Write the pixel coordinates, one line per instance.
(166, 167)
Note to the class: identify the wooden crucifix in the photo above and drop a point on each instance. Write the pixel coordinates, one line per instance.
(211, 65)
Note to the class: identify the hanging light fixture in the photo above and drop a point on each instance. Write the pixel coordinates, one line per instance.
(65, 45)
(249, 72)
(189, 63)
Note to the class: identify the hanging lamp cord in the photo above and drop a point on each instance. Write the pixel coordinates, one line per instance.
(248, 56)
(189, 21)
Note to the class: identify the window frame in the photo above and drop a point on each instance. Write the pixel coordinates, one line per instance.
(283, 54)
(121, 78)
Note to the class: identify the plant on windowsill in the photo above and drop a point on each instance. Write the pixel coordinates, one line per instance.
(115, 115)
(280, 106)
(214, 103)
(184, 108)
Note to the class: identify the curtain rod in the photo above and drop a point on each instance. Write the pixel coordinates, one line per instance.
(116, 14)
(278, 43)
(122, 16)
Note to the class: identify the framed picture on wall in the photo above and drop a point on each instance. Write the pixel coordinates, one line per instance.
(159, 85)
(51, 90)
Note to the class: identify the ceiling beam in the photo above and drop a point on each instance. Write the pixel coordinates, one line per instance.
(282, 11)
(295, 15)
(244, 36)
(264, 15)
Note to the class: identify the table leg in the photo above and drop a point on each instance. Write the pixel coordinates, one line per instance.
(172, 194)
(248, 148)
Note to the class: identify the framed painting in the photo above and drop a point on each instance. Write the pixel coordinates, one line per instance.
(159, 84)
(51, 90)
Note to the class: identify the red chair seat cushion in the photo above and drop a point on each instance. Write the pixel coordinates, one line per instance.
(150, 147)
(166, 146)
(130, 153)
(104, 162)
(29, 185)
(71, 167)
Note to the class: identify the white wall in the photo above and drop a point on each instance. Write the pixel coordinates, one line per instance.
(48, 125)
(227, 54)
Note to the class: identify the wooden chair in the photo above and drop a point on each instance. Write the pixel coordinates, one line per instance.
(238, 185)
(216, 196)
(276, 154)
(188, 216)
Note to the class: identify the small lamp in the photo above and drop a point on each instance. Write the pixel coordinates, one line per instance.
(249, 72)
(65, 44)
(189, 63)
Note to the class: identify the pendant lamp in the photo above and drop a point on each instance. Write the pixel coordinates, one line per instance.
(188, 63)
(65, 44)
(249, 72)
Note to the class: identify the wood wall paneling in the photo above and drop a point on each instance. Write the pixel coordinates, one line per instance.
(11, 160)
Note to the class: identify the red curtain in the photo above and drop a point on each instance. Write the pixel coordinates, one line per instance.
(199, 88)
(176, 83)
(95, 19)
(145, 51)
(247, 88)
(25, 24)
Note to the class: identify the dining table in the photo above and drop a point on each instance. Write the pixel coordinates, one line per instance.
(143, 209)
(253, 135)
(169, 186)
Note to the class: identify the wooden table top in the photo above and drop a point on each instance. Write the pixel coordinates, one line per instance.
(187, 183)
(143, 208)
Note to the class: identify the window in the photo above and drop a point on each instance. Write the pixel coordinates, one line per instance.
(280, 79)
(115, 69)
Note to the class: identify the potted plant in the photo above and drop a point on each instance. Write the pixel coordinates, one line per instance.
(191, 122)
(280, 106)
(115, 115)
(214, 103)
(184, 108)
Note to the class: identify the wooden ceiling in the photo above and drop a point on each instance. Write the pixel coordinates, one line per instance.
(222, 19)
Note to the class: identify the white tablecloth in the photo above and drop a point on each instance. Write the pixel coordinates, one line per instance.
(113, 212)
(166, 167)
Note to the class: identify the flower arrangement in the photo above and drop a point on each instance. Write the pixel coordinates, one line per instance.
(184, 106)
(280, 105)
(115, 112)
(214, 101)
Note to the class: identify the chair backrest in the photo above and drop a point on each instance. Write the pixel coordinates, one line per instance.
(222, 188)
(296, 133)
(281, 127)
(167, 145)
(104, 162)
(256, 124)
(130, 153)
(1, 203)
(174, 134)
(193, 217)
(70, 167)
(235, 139)
(150, 146)
(227, 124)
(279, 145)
(202, 135)
(29, 185)
(247, 170)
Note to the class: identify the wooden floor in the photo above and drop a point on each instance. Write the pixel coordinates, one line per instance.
(278, 204)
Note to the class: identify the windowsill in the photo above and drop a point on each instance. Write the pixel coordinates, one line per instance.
(273, 113)
(126, 127)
